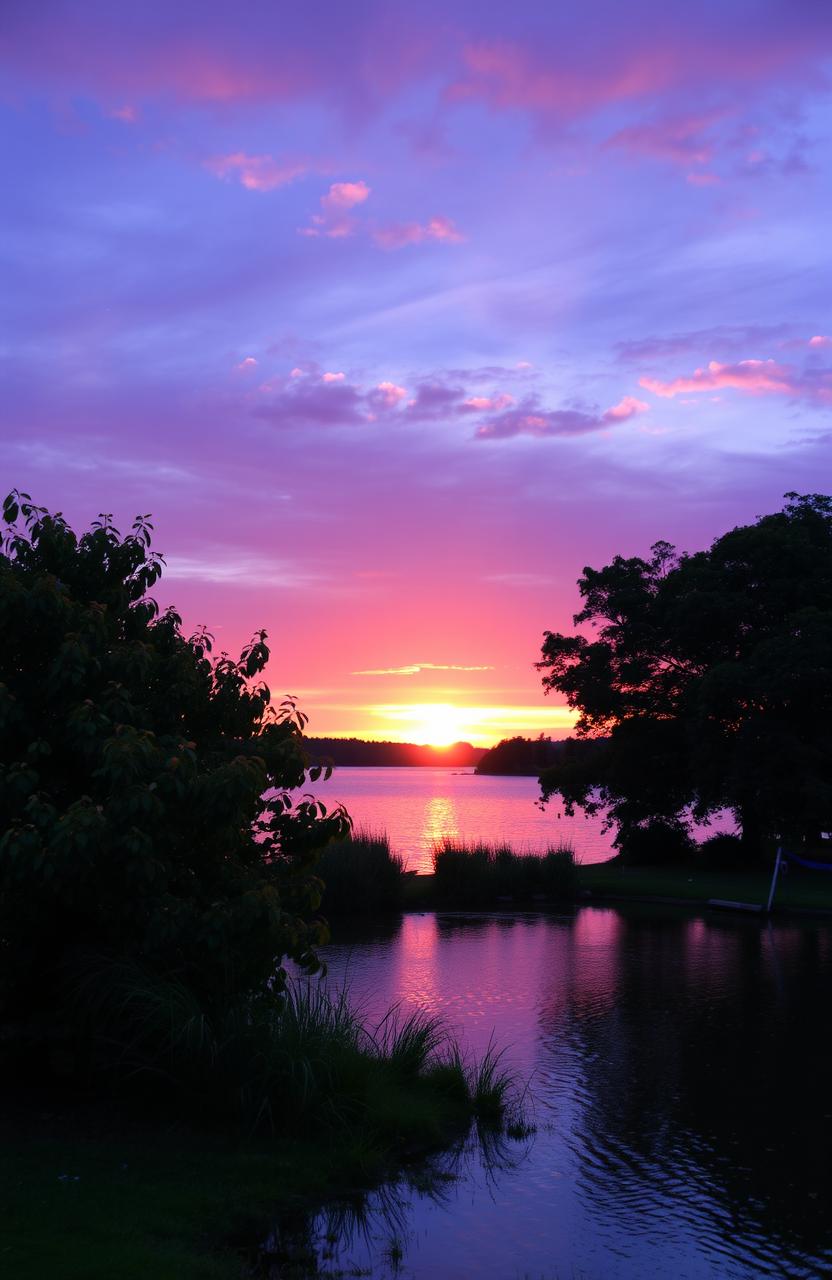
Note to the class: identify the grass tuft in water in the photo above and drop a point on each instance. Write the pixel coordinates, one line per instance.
(477, 873)
(362, 876)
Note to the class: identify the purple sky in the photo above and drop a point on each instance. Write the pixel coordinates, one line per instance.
(395, 316)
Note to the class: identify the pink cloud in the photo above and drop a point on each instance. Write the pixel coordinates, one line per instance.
(247, 365)
(820, 340)
(635, 53)
(508, 75)
(256, 173)
(398, 235)
(531, 419)
(390, 393)
(754, 376)
(492, 403)
(680, 141)
(335, 220)
(333, 377)
(627, 407)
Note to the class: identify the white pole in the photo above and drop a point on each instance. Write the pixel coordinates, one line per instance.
(773, 881)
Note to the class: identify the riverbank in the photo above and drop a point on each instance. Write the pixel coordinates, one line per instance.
(93, 1189)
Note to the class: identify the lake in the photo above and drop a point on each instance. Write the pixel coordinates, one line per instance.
(416, 807)
(679, 1086)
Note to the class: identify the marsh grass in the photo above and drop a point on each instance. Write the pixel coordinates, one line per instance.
(473, 873)
(300, 1063)
(362, 876)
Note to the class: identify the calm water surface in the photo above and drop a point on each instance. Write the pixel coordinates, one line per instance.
(416, 807)
(681, 1093)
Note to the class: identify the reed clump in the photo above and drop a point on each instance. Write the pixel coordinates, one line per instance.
(362, 876)
(476, 873)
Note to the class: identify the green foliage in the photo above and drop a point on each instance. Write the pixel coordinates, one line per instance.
(297, 1063)
(361, 876)
(481, 874)
(706, 683)
(133, 770)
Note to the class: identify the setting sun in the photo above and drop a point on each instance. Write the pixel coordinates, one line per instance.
(438, 724)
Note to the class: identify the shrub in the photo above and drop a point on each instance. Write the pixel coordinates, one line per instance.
(726, 851)
(655, 844)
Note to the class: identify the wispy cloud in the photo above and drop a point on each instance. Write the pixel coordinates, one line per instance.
(415, 668)
(754, 377)
(399, 235)
(238, 569)
(256, 173)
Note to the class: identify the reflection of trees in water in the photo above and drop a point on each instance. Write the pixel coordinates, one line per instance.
(367, 1232)
(706, 1093)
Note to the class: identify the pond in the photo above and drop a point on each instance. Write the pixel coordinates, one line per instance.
(678, 1083)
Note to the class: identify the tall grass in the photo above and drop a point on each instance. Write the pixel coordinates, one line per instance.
(481, 874)
(299, 1063)
(362, 876)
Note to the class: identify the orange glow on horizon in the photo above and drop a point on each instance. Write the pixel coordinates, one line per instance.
(441, 724)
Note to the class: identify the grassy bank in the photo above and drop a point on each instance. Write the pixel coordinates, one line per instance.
(177, 1160)
(797, 891)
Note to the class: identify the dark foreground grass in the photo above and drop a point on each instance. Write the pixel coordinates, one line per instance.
(223, 1121)
(479, 874)
(91, 1195)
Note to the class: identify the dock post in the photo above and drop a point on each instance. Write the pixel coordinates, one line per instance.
(773, 881)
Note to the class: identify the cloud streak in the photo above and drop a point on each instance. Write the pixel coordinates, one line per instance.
(414, 669)
(754, 377)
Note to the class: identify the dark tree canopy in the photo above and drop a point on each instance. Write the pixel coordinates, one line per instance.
(710, 677)
(133, 767)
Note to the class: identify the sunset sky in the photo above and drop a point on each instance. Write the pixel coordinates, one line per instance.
(397, 315)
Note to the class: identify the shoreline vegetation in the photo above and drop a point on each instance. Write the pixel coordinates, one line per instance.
(362, 870)
(215, 1125)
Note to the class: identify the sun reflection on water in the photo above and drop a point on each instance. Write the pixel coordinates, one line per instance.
(440, 821)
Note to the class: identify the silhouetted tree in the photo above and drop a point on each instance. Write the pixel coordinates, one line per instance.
(133, 767)
(710, 676)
